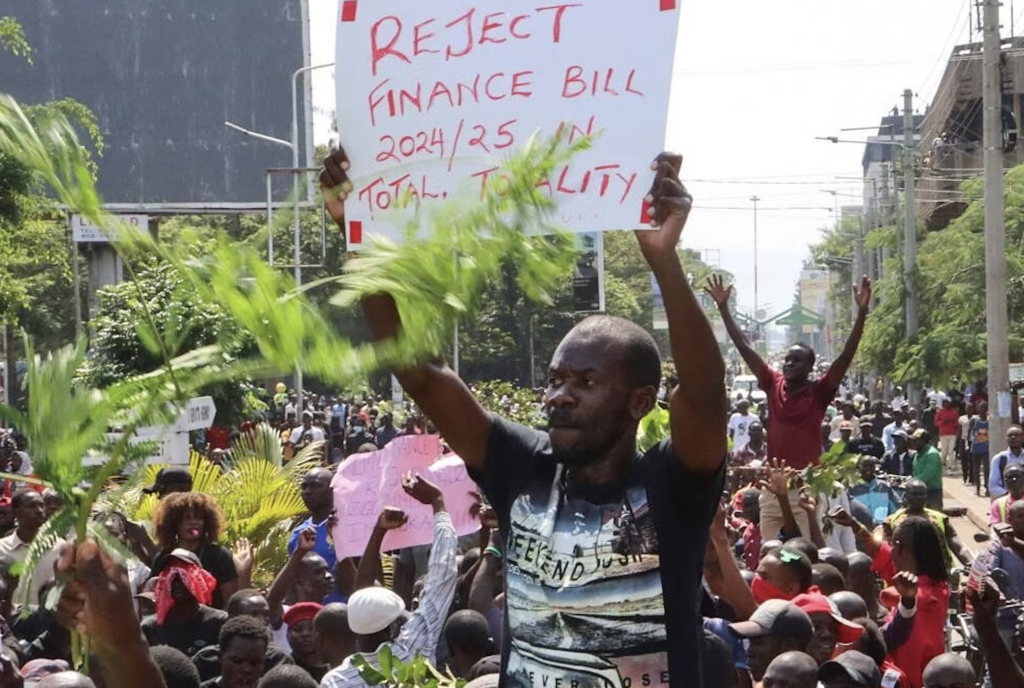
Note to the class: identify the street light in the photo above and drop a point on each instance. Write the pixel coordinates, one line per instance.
(836, 139)
(294, 145)
(754, 200)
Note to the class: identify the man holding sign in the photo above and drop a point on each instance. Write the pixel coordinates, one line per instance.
(604, 547)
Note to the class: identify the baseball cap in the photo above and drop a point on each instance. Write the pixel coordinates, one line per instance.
(171, 475)
(866, 423)
(185, 555)
(816, 603)
(775, 617)
(371, 610)
(854, 665)
(919, 434)
(900, 433)
(845, 425)
(303, 611)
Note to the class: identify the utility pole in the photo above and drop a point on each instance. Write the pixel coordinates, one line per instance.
(754, 200)
(910, 229)
(995, 231)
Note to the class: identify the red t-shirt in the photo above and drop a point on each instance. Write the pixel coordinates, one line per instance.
(928, 640)
(948, 421)
(795, 419)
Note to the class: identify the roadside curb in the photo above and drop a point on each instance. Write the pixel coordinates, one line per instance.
(980, 521)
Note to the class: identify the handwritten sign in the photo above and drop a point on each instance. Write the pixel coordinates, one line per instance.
(366, 483)
(432, 95)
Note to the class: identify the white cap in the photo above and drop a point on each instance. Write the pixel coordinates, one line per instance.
(371, 610)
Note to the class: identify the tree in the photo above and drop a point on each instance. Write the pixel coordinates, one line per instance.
(127, 342)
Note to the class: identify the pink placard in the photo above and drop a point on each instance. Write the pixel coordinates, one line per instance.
(366, 483)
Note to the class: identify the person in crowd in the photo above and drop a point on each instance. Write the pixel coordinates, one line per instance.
(192, 521)
(184, 619)
(318, 498)
(898, 422)
(387, 430)
(373, 610)
(306, 578)
(880, 420)
(334, 634)
(302, 638)
(603, 379)
(1002, 667)
(739, 424)
(947, 422)
(867, 444)
(306, 434)
(979, 441)
(949, 671)
(756, 448)
(177, 670)
(963, 445)
(900, 459)
(915, 499)
(243, 642)
(249, 603)
(1013, 478)
(30, 515)
(287, 677)
(169, 480)
(1006, 553)
(750, 522)
(872, 643)
(917, 548)
(847, 419)
(876, 495)
(827, 578)
(850, 605)
(927, 466)
(830, 628)
(777, 626)
(717, 664)
(791, 670)
(782, 574)
(850, 670)
(1013, 455)
(467, 635)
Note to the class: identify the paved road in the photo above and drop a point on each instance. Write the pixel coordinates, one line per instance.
(975, 518)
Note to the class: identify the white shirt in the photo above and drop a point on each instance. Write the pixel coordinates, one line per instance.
(841, 538)
(315, 433)
(739, 426)
(29, 583)
(897, 403)
(834, 435)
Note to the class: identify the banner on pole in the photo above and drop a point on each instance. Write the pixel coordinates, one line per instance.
(431, 96)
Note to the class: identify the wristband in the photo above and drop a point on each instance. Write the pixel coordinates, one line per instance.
(493, 551)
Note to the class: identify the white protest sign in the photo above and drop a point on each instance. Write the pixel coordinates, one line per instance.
(366, 483)
(84, 233)
(431, 96)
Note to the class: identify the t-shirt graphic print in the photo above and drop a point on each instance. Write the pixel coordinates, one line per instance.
(584, 590)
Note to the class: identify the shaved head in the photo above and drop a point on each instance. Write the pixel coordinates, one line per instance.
(949, 671)
(795, 669)
(66, 679)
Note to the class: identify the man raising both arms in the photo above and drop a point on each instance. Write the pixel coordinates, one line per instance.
(796, 404)
(584, 518)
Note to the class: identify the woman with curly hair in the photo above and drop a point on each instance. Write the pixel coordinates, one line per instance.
(193, 521)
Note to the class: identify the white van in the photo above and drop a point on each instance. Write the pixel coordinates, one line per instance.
(747, 384)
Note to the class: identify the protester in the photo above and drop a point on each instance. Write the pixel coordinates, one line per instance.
(604, 377)
(876, 495)
(915, 499)
(949, 671)
(184, 620)
(850, 670)
(170, 480)
(1013, 478)
(791, 670)
(979, 447)
(900, 459)
(777, 626)
(1013, 455)
(30, 515)
(928, 467)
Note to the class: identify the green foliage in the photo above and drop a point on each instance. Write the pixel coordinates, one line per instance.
(514, 403)
(394, 673)
(653, 428)
(12, 39)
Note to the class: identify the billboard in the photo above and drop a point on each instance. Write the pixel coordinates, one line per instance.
(814, 286)
(162, 76)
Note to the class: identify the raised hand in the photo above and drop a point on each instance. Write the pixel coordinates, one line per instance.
(906, 585)
(718, 527)
(421, 489)
(841, 517)
(245, 556)
(807, 501)
(862, 296)
(335, 184)
(670, 205)
(778, 478)
(307, 540)
(391, 518)
(718, 290)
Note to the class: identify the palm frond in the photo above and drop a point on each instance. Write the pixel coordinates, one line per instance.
(49, 536)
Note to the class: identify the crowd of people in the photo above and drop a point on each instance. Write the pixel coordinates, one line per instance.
(717, 557)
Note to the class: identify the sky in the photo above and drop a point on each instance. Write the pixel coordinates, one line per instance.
(754, 82)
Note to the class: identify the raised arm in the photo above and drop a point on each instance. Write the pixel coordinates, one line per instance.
(435, 387)
(369, 571)
(717, 290)
(735, 590)
(285, 580)
(837, 371)
(698, 404)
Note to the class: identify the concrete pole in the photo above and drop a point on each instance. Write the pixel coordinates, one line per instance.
(910, 230)
(754, 200)
(995, 231)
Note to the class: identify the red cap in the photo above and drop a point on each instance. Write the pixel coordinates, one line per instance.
(816, 603)
(305, 611)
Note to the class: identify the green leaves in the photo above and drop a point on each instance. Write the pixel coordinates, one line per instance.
(653, 428)
(394, 673)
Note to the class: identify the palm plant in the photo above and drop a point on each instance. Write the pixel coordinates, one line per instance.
(257, 491)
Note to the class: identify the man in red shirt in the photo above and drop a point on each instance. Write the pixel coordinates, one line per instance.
(947, 420)
(796, 403)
